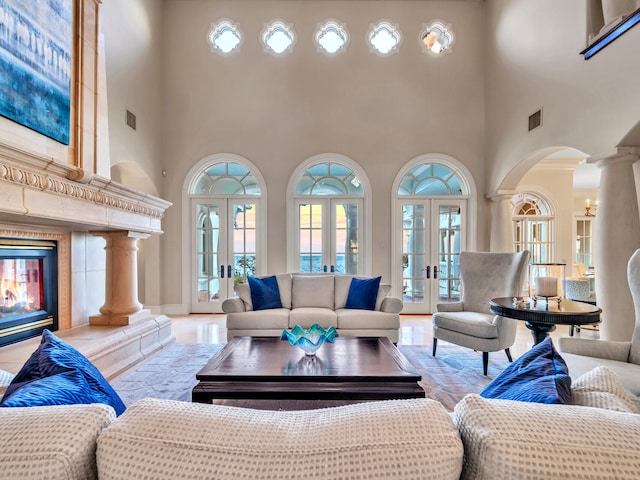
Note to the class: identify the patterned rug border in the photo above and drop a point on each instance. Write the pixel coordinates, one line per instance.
(450, 375)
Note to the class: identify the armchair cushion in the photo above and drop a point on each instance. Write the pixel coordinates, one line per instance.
(601, 388)
(363, 293)
(265, 293)
(540, 375)
(474, 324)
(608, 349)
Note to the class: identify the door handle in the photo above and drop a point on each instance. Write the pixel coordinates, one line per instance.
(325, 269)
(435, 271)
(221, 271)
(229, 271)
(333, 268)
(428, 270)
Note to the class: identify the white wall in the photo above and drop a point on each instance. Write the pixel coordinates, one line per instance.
(533, 62)
(277, 112)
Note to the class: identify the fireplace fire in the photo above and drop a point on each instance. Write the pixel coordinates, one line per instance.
(28, 288)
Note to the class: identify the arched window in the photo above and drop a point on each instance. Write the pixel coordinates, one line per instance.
(533, 224)
(328, 222)
(225, 197)
(430, 225)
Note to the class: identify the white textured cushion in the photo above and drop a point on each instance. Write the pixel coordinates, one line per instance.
(312, 291)
(522, 440)
(399, 439)
(5, 380)
(52, 442)
(601, 388)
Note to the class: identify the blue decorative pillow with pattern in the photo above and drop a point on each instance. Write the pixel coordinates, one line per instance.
(57, 374)
(363, 293)
(540, 375)
(265, 293)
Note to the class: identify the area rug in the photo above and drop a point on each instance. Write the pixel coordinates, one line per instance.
(447, 377)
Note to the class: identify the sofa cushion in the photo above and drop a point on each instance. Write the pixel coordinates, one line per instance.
(307, 316)
(312, 291)
(364, 319)
(265, 293)
(52, 442)
(275, 318)
(57, 374)
(601, 388)
(399, 439)
(363, 293)
(520, 440)
(540, 375)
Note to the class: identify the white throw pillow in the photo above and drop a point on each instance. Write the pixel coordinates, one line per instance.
(601, 388)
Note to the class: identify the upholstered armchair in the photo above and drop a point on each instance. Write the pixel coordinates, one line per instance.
(582, 355)
(469, 323)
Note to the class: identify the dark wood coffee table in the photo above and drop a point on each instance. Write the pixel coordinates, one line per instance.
(352, 368)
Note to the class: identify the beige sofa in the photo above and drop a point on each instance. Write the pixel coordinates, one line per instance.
(313, 298)
(396, 439)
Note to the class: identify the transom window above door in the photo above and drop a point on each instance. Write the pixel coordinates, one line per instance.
(226, 178)
(329, 179)
(431, 179)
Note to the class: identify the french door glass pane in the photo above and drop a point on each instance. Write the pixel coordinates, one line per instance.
(310, 221)
(413, 253)
(346, 231)
(244, 241)
(208, 236)
(449, 253)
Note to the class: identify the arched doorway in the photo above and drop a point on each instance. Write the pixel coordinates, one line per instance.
(226, 235)
(432, 208)
(329, 222)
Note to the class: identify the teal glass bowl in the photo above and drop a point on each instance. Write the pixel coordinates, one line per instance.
(309, 341)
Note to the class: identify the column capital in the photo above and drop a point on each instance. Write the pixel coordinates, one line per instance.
(120, 233)
(500, 195)
(624, 154)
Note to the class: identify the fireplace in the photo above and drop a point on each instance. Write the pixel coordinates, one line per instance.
(28, 288)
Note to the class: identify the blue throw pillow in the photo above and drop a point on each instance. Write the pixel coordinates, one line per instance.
(540, 376)
(363, 293)
(265, 293)
(57, 374)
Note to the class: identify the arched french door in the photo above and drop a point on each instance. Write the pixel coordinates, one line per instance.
(431, 217)
(329, 228)
(533, 227)
(226, 229)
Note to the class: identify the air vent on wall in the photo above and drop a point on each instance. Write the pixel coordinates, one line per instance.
(535, 120)
(131, 120)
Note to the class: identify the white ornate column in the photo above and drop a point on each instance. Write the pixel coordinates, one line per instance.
(501, 222)
(121, 305)
(617, 238)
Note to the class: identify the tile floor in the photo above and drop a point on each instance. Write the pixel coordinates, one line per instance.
(210, 328)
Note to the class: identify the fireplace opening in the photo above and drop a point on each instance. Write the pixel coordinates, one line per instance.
(28, 288)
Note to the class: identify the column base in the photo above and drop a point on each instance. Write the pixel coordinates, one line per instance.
(120, 320)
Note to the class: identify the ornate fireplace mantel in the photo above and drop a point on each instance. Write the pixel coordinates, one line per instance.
(37, 189)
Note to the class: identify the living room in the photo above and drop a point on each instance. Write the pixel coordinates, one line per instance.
(155, 104)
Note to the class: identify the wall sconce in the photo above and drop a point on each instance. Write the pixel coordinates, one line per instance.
(437, 38)
(587, 209)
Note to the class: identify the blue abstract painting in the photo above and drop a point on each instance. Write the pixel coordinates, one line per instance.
(35, 65)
